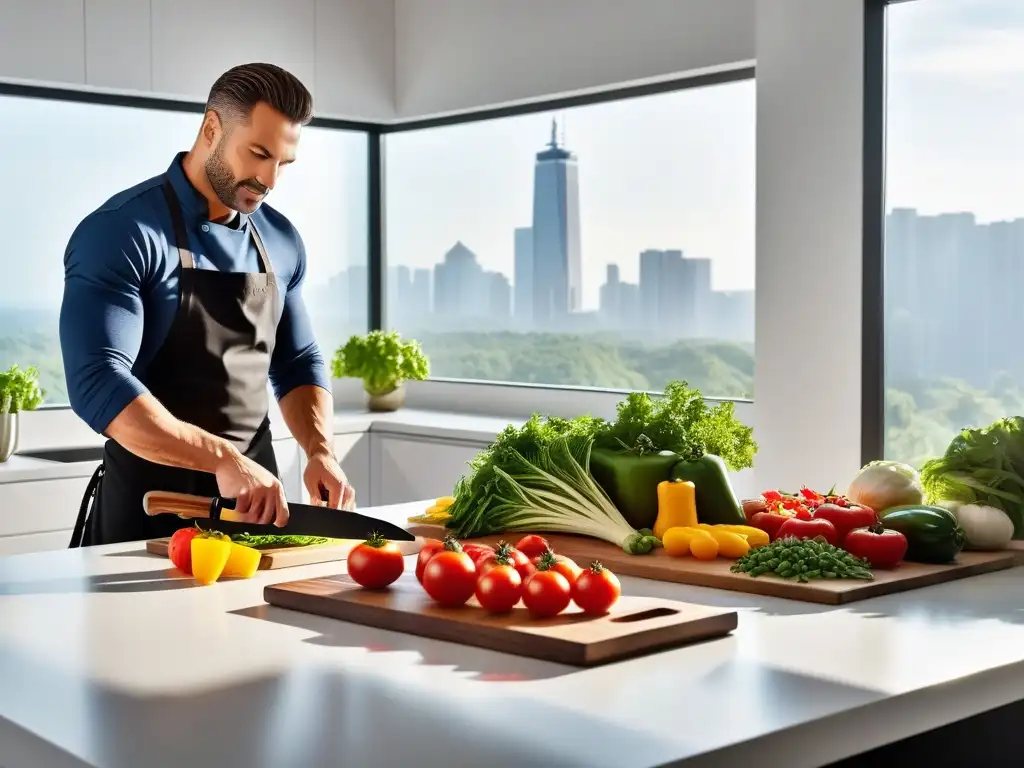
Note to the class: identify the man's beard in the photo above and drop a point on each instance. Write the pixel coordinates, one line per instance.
(224, 185)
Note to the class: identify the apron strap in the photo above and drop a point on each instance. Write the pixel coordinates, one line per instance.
(264, 259)
(78, 534)
(178, 222)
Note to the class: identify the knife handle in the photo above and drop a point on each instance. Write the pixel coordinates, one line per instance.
(187, 505)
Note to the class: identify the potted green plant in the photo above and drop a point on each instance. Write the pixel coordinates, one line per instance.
(384, 361)
(19, 391)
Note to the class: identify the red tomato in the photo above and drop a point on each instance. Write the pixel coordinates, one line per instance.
(499, 589)
(431, 548)
(881, 547)
(520, 562)
(596, 590)
(808, 529)
(375, 563)
(179, 549)
(450, 578)
(477, 552)
(560, 563)
(768, 522)
(846, 518)
(546, 594)
(532, 545)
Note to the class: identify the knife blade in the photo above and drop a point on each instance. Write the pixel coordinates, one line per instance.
(304, 519)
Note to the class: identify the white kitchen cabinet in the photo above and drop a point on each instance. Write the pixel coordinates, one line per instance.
(34, 542)
(40, 506)
(353, 454)
(289, 466)
(411, 469)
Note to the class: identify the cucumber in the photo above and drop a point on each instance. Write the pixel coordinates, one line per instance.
(933, 533)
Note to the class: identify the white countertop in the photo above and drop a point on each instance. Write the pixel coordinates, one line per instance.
(107, 659)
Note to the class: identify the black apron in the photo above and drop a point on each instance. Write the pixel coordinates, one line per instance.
(212, 371)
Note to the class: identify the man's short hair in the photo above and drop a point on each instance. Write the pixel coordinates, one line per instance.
(241, 88)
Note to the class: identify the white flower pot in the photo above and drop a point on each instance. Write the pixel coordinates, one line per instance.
(390, 401)
(8, 435)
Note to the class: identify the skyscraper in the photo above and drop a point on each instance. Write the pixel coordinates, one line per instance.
(557, 267)
(524, 276)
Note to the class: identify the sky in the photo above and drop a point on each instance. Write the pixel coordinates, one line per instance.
(673, 171)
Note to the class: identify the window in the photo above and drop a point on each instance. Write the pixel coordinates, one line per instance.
(609, 245)
(954, 221)
(66, 158)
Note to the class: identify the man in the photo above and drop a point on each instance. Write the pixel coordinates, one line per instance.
(182, 301)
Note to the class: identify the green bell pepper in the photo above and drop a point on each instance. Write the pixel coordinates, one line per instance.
(631, 481)
(716, 500)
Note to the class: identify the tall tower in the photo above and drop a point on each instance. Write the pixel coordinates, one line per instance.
(557, 267)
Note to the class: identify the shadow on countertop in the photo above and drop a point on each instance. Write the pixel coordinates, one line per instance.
(483, 664)
(131, 582)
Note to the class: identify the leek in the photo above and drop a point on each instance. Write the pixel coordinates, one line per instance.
(548, 490)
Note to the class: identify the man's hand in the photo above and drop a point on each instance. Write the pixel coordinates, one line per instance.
(322, 471)
(260, 495)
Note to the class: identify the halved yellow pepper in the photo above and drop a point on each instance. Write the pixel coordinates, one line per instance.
(677, 539)
(243, 562)
(209, 556)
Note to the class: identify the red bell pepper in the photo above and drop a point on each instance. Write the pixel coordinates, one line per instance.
(846, 518)
(881, 547)
(769, 522)
(808, 529)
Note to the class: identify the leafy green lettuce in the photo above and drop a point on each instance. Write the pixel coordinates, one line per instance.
(982, 466)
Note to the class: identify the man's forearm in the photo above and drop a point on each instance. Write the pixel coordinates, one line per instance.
(308, 411)
(148, 430)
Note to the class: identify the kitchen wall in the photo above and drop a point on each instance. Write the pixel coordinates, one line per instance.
(455, 55)
(343, 50)
(376, 60)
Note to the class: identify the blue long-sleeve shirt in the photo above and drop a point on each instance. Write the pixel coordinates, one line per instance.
(121, 292)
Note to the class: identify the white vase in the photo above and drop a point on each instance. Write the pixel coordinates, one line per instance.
(8, 435)
(390, 401)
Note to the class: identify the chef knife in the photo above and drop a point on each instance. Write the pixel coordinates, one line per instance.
(304, 519)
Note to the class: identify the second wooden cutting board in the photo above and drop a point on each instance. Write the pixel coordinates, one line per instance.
(660, 566)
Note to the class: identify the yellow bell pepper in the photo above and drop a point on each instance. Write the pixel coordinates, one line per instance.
(677, 506)
(444, 502)
(210, 554)
(243, 562)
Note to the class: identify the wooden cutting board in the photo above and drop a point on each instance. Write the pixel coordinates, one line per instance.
(635, 625)
(287, 557)
(659, 566)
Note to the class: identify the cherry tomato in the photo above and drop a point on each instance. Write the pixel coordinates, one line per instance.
(560, 563)
(179, 549)
(499, 589)
(520, 562)
(431, 548)
(532, 545)
(375, 563)
(546, 594)
(450, 577)
(477, 552)
(596, 590)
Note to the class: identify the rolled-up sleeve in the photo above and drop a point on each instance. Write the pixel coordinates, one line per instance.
(297, 359)
(101, 316)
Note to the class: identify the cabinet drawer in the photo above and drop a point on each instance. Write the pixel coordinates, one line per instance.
(407, 469)
(34, 542)
(39, 506)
